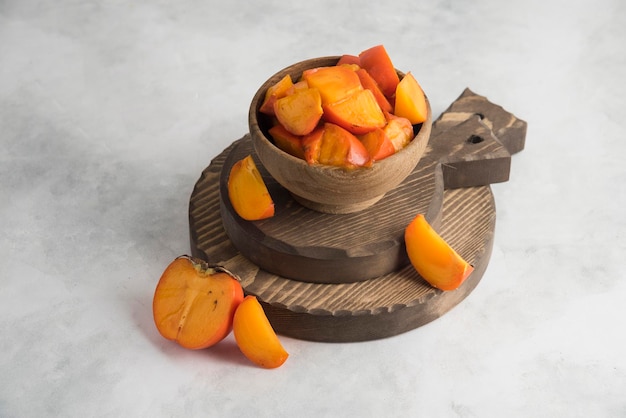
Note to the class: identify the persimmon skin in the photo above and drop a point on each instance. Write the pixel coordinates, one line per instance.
(378, 64)
(433, 258)
(369, 83)
(255, 336)
(194, 303)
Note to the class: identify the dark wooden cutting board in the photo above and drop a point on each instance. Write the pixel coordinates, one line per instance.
(346, 277)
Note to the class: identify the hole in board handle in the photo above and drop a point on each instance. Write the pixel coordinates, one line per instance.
(475, 139)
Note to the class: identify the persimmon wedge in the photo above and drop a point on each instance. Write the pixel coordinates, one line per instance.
(247, 191)
(194, 303)
(433, 258)
(410, 101)
(255, 336)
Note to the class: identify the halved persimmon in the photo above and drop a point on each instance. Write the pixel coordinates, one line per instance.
(194, 303)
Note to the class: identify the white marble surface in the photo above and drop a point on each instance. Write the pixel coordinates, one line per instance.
(110, 110)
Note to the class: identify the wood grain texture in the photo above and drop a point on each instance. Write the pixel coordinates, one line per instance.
(343, 311)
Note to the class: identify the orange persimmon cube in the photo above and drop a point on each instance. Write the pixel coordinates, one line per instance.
(410, 100)
(359, 113)
(275, 92)
(311, 144)
(247, 191)
(334, 83)
(300, 85)
(341, 148)
(286, 141)
(433, 258)
(399, 130)
(377, 144)
(299, 112)
(369, 83)
(378, 64)
(348, 59)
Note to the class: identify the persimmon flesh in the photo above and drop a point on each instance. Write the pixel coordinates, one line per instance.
(299, 112)
(255, 336)
(341, 148)
(359, 113)
(399, 130)
(377, 144)
(194, 303)
(369, 83)
(275, 92)
(410, 101)
(247, 191)
(433, 258)
(286, 141)
(334, 83)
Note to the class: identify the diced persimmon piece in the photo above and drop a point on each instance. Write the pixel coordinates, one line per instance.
(369, 83)
(300, 85)
(247, 191)
(348, 59)
(341, 148)
(286, 141)
(299, 112)
(377, 144)
(334, 83)
(410, 100)
(275, 92)
(359, 113)
(378, 64)
(433, 258)
(399, 130)
(194, 303)
(255, 336)
(311, 144)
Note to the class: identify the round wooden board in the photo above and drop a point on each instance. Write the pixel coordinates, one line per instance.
(377, 308)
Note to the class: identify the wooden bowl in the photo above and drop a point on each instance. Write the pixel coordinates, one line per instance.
(326, 188)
